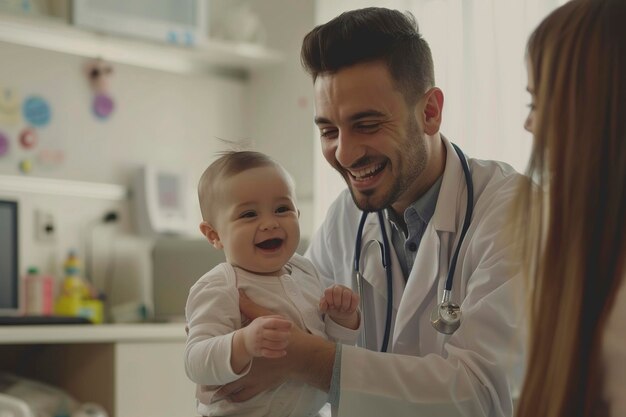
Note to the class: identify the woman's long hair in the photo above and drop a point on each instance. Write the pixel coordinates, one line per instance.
(572, 217)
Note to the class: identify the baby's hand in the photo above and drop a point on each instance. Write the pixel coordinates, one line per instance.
(267, 336)
(341, 304)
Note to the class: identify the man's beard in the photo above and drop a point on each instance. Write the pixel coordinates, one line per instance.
(409, 168)
(363, 199)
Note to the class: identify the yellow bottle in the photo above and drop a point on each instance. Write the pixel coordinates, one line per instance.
(74, 299)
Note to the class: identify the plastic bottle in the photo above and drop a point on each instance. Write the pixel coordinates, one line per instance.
(73, 284)
(75, 298)
(38, 293)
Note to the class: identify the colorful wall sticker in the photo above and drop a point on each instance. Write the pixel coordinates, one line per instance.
(26, 166)
(9, 107)
(4, 144)
(103, 106)
(36, 111)
(50, 158)
(99, 74)
(28, 138)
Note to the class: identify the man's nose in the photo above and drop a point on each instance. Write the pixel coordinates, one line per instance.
(349, 149)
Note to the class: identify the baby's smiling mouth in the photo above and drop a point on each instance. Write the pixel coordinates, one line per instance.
(270, 244)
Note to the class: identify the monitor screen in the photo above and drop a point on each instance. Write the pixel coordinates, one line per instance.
(9, 271)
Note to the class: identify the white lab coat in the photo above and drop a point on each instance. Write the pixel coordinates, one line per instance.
(477, 370)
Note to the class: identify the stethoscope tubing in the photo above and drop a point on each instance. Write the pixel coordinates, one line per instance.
(387, 251)
(469, 211)
(387, 266)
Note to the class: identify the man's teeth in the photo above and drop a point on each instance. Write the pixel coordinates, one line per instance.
(367, 172)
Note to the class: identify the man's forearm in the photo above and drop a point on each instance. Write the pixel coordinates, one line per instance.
(313, 358)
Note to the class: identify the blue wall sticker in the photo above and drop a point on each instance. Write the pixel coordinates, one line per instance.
(36, 111)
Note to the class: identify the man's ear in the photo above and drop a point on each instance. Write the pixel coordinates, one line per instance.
(432, 112)
(211, 235)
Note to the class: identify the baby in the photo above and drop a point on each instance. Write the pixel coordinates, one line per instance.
(249, 211)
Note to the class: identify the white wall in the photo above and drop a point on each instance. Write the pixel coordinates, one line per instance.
(281, 99)
(161, 118)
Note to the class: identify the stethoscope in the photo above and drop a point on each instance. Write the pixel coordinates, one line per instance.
(446, 316)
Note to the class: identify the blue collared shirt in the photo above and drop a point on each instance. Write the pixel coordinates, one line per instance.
(407, 232)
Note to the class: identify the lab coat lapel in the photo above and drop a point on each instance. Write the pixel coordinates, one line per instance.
(422, 277)
(425, 272)
(371, 260)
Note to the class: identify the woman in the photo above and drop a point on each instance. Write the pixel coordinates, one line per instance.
(577, 213)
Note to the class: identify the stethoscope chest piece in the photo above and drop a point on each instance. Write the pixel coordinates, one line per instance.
(446, 316)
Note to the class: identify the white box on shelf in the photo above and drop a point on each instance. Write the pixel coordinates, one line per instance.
(179, 22)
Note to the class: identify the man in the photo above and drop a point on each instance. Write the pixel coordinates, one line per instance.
(379, 114)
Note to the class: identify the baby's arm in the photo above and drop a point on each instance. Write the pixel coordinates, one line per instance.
(266, 337)
(341, 304)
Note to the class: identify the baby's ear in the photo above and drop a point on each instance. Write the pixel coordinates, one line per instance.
(211, 235)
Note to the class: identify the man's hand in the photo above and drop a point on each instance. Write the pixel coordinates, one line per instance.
(309, 359)
(265, 374)
(267, 337)
(250, 309)
(341, 304)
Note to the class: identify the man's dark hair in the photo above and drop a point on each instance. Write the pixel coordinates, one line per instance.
(368, 35)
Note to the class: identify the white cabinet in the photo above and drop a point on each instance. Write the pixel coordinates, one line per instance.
(131, 370)
(150, 380)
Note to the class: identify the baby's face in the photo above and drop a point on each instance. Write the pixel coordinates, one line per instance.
(257, 220)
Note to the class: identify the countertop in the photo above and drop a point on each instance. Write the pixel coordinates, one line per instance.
(89, 333)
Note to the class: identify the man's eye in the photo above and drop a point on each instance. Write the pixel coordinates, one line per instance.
(328, 133)
(247, 214)
(368, 127)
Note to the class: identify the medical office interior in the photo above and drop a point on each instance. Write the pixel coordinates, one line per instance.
(108, 117)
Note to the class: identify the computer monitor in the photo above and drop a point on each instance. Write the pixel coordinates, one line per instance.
(9, 269)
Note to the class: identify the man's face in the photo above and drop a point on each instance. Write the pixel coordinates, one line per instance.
(370, 135)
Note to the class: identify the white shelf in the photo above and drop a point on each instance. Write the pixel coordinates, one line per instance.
(211, 56)
(69, 188)
(89, 333)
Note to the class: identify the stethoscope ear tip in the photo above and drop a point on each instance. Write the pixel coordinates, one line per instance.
(446, 317)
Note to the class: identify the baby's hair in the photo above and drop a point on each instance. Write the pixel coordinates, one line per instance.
(228, 164)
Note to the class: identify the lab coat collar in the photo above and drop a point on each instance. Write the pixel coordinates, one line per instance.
(372, 267)
(453, 189)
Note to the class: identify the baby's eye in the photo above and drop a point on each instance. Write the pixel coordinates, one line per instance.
(248, 214)
(283, 209)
